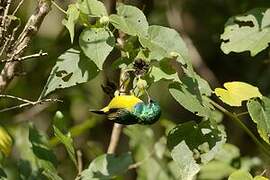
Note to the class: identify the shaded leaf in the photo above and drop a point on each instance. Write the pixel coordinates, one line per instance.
(97, 43)
(107, 166)
(236, 92)
(205, 140)
(66, 139)
(248, 32)
(259, 111)
(72, 68)
(130, 20)
(92, 7)
(72, 17)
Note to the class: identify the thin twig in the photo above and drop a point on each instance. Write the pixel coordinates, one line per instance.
(234, 117)
(59, 8)
(40, 54)
(138, 164)
(5, 14)
(79, 161)
(18, 7)
(27, 102)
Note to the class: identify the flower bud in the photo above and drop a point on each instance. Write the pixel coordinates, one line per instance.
(141, 84)
(5, 142)
(104, 20)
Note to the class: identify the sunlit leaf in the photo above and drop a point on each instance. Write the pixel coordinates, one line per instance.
(72, 68)
(236, 92)
(130, 20)
(72, 17)
(240, 174)
(92, 7)
(164, 42)
(248, 32)
(107, 166)
(97, 43)
(190, 98)
(259, 111)
(186, 165)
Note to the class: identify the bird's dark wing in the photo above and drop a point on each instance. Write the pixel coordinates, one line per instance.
(122, 116)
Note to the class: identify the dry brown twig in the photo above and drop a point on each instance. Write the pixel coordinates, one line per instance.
(12, 68)
(39, 54)
(25, 103)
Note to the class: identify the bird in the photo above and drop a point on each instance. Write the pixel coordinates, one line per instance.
(129, 109)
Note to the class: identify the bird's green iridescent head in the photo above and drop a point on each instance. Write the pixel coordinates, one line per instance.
(147, 113)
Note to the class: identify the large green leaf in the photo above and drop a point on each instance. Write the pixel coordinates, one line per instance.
(248, 32)
(66, 139)
(240, 174)
(72, 17)
(97, 43)
(92, 7)
(191, 149)
(107, 166)
(259, 111)
(130, 20)
(188, 95)
(164, 42)
(72, 68)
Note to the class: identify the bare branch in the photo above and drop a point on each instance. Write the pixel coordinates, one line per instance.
(26, 102)
(40, 54)
(12, 68)
(18, 7)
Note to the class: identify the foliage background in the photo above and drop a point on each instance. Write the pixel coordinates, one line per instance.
(202, 21)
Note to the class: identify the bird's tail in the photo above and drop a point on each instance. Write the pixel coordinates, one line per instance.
(97, 111)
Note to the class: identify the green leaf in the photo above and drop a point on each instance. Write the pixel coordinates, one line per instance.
(189, 97)
(205, 140)
(72, 68)
(130, 20)
(72, 17)
(186, 165)
(236, 92)
(259, 111)
(240, 174)
(44, 157)
(164, 42)
(260, 178)
(92, 7)
(97, 43)
(248, 32)
(107, 166)
(65, 139)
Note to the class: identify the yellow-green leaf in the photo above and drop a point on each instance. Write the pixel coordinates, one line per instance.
(236, 92)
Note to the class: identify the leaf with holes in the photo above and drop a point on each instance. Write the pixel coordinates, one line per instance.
(248, 32)
(92, 7)
(72, 68)
(97, 43)
(72, 17)
(165, 42)
(259, 110)
(191, 149)
(236, 92)
(130, 20)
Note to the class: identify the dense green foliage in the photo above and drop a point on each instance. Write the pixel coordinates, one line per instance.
(196, 142)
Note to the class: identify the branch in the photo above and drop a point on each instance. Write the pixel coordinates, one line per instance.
(11, 69)
(40, 54)
(26, 102)
(117, 128)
